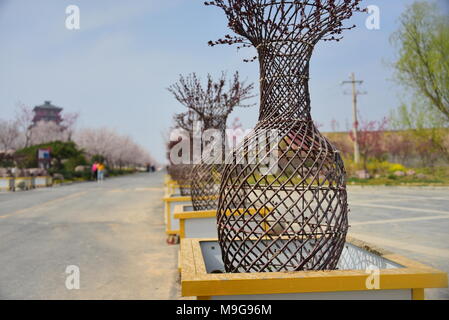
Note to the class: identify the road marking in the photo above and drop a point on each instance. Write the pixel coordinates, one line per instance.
(398, 220)
(135, 190)
(361, 204)
(416, 194)
(40, 205)
(409, 246)
(149, 189)
(117, 190)
(395, 199)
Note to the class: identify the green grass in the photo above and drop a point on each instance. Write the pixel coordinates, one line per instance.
(434, 177)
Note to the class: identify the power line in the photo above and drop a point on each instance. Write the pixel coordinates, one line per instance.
(355, 93)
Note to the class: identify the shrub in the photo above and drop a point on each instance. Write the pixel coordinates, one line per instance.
(374, 167)
(21, 185)
(59, 151)
(393, 167)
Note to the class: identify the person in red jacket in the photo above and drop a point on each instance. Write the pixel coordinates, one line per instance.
(95, 170)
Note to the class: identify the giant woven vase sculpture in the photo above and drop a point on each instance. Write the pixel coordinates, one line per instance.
(181, 173)
(291, 213)
(206, 178)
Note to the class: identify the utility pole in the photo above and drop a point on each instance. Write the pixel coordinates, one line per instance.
(355, 93)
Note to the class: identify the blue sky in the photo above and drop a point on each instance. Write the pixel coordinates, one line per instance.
(115, 69)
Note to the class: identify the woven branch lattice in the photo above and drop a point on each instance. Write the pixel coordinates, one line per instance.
(291, 213)
(181, 173)
(211, 103)
(206, 179)
(207, 175)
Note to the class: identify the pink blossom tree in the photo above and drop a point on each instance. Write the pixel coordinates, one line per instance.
(69, 121)
(370, 138)
(47, 131)
(9, 135)
(24, 119)
(117, 150)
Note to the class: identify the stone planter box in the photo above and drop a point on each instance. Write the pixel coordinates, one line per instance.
(398, 278)
(6, 184)
(169, 188)
(42, 181)
(167, 178)
(172, 224)
(27, 181)
(195, 224)
(173, 187)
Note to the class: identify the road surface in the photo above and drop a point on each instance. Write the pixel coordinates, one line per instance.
(411, 221)
(114, 233)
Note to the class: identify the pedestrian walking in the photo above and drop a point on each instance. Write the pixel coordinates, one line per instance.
(95, 170)
(100, 172)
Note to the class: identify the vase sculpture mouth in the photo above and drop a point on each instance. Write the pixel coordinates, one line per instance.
(286, 21)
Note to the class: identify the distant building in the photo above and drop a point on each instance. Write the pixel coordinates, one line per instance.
(47, 112)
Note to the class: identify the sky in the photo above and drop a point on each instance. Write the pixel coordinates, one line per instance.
(115, 69)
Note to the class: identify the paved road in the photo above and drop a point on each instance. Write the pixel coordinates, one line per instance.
(113, 232)
(411, 221)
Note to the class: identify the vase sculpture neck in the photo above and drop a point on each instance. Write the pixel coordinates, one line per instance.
(284, 85)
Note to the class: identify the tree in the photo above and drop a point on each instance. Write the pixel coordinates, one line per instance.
(115, 149)
(69, 121)
(400, 146)
(59, 151)
(212, 103)
(423, 49)
(9, 135)
(36, 133)
(425, 128)
(96, 141)
(370, 136)
(208, 105)
(46, 131)
(24, 119)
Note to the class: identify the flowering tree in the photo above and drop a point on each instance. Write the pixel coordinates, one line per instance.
(47, 131)
(30, 133)
(69, 121)
(208, 105)
(9, 135)
(117, 150)
(370, 134)
(212, 103)
(400, 145)
(24, 119)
